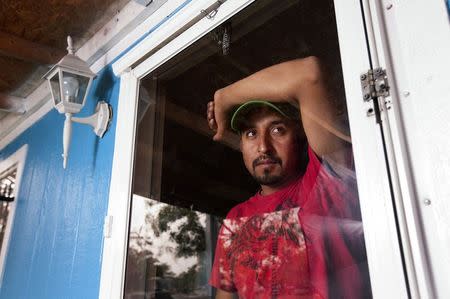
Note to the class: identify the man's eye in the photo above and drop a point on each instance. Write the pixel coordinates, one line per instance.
(278, 130)
(250, 134)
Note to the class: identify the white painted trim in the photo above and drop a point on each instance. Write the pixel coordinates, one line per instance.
(159, 31)
(412, 185)
(18, 157)
(110, 30)
(115, 247)
(148, 25)
(226, 10)
(408, 233)
(383, 252)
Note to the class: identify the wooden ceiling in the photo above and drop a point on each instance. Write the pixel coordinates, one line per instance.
(33, 37)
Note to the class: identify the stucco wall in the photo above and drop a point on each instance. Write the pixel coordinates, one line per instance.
(56, 241)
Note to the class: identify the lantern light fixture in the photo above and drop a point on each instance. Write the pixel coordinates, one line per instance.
(69, 81)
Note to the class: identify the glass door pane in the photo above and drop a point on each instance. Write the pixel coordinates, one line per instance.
(7, 186)
(295, 227)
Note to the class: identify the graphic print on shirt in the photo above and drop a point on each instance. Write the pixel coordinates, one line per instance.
(264, 256)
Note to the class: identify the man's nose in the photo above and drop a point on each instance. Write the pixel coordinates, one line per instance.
(264, 144)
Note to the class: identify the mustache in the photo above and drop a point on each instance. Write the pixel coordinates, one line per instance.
(265, 159)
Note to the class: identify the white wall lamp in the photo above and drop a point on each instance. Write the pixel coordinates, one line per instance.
(70, 80)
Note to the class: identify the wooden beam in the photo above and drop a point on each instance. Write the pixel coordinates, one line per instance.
(19, 48)
(197, 123)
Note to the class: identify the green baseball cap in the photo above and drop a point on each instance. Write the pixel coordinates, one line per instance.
(240, 113)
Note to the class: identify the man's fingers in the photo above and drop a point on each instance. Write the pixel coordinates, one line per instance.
(212, 124)
(216, 120)
(210, 116)
(210, 110)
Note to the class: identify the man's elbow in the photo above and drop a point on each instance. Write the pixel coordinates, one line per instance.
(312, 70)
(218, 94)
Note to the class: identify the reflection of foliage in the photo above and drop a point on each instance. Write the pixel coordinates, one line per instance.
(149, 250)
(163, 270)
(186, 281)
(139, 241)
(190, 235)
(137, 263)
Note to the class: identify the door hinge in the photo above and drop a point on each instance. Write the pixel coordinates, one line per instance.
(375, 85)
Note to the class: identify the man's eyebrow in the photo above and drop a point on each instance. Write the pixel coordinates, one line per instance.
(246, 128)
(277, 122)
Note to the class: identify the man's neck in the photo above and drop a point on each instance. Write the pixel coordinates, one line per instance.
(270, 189)
(267, 190)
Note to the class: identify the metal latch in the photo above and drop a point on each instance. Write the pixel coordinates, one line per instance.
(107, 226)
(374, 84)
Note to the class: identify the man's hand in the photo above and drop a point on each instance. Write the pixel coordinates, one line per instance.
(217, 115)
(211, 117)
(226, 137)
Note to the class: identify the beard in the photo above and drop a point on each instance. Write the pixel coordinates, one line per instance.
(268, 179)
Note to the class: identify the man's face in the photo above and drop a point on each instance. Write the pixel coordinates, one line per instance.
(269, 148)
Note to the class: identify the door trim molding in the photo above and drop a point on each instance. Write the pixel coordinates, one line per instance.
(18, 158)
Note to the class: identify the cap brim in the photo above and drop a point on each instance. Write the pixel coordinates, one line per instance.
(250, 105)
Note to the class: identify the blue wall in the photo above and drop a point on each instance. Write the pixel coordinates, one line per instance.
(56, 242)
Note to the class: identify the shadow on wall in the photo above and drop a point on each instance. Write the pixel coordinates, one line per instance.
(102, 90)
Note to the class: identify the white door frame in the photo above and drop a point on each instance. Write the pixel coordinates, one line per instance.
(17, 158)
(384, 257)
(423, 226)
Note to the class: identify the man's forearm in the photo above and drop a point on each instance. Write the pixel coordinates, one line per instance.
(278, 83)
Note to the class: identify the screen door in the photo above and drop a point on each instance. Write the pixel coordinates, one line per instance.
(183, 240)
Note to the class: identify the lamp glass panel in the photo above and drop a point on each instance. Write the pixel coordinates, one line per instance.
(54, 86)
(74, 87)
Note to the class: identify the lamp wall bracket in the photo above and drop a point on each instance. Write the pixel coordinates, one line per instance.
(99, 121)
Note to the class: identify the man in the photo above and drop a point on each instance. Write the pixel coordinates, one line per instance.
(300, 236)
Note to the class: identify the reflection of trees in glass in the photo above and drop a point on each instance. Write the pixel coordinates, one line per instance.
(190, 236)
(173, 232)
(137, 270)
(186, 281)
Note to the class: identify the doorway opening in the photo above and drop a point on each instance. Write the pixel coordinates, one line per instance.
(184, 183)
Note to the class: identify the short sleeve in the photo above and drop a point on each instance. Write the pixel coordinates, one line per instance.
(221, 273)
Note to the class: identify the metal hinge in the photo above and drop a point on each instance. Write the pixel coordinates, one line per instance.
(375, 84)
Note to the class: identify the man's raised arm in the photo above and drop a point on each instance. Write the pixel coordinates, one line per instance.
(300, 82)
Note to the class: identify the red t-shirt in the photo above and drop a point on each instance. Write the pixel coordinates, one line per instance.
(304, 241)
